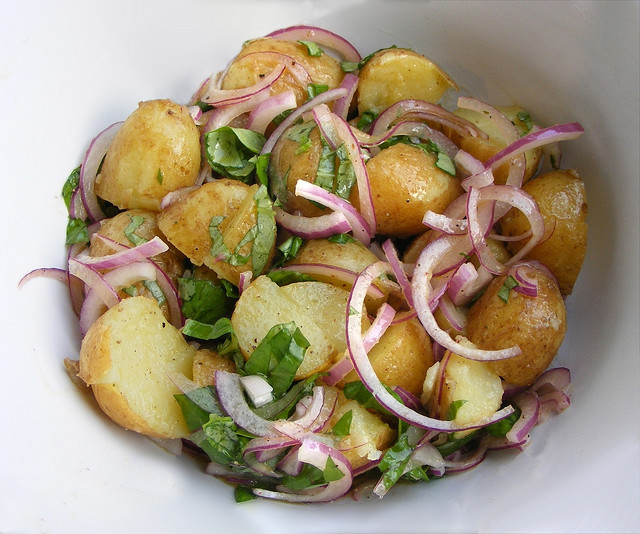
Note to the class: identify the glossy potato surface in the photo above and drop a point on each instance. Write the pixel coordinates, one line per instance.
(536, 324)
(156, 151)
(562, 200)
(396, 74)
(126, 357)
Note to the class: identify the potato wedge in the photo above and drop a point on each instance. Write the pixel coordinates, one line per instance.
(126, 358)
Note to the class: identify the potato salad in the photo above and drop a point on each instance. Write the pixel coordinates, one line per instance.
(325, 274)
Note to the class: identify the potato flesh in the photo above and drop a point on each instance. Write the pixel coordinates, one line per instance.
(264, 304)
(127, 357)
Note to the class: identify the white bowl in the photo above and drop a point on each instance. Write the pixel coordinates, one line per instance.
(68, 69)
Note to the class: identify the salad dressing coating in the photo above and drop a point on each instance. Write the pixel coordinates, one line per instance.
(217, 298)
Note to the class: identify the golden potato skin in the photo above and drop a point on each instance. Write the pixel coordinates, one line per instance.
(205, 364)
(126, 356)
(156, 151)
(250, 66)
(396, 74)
(401, 357)
(404, 184)
(562, 200)
(536, 324)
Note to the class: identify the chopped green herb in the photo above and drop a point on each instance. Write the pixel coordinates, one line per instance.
(199, 330)
(453, 409)
(262, 166)
(283, 407)
(243, 494)
(351, 66)
(314, 89)
(288, 250)
(153, 288)
(286, 277)
(129, 231)
(230, 151)
(366, 120)
(278, 356)
(312, 48)
(196, 405)
(70, 185)
(500, 428)
(265, 231)
(224, 443)
(526, 119)
(203, 300)
(160, 176)
(342, 239)
(394, 461)
(77, 232)
(509, 283)
(343, 425)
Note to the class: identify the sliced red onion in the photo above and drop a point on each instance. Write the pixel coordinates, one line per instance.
(544, 136)
(228, 97)
(406, 109)
(506, 128)
(445, 224)
(530, 408)
(421, 288)
(526, 285)
(266, 448)
(89, 169)
(322, 98)
(320, 36)
(222, 116)
(144, 251)
(176, 195)
(558, 378)
(468, 462)
(290, 464)
(460, 282)
(345, 277)
(245, 280)
(316, 453)
(468, 162)
(341, 105)
(359, 225)
(53, 273)
(313, 227)
(408, 398)
(338, 371)
(455, 314)
(76, 206)
(361, 363)
(235, 405)
(95, 281)
(398, 270)
(267, 110)
(384, 319)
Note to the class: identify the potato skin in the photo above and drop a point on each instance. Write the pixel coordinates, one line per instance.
(401, 357)
(156, 151)
(395, 74)
(404, 184)
(562, 200)
(249, 66)
(536, 324)
(125, 357)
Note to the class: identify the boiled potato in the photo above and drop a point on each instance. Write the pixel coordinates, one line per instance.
(205, 364)
(483, 149)
(186, 224)
(395, 74)
(368, 434)
(156, 151)
(260, 56)
(404, 184)
(126, 357)
(536, 324)
(401, 357)
(264, 304)
(562, 200)
(470, 381)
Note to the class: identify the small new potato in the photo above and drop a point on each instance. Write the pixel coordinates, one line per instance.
(156, 151)
(536, 324)
(395, 74)
(562, 200)
(401, 357)
(260, 57)
(126, 357)
(405, 183)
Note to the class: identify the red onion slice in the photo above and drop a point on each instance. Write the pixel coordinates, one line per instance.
(530, 409)
(235, 405)
(398, 270)
(227, 97)
(144, 251)
(320, 36)
(361, 363)
(359, 226)
(267, 110)
(89, 169)
(316, 453)
(341, 105)
(421, 288)
(313, 227)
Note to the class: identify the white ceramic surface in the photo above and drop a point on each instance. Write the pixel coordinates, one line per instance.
(70, 68)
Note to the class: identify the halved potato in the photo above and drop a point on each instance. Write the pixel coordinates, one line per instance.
(126, 357)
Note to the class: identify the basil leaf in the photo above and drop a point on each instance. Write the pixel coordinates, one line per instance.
(265, 236)
(283, 407)
(243, 494)
(312, 48)
(286, 277)
(300, 133)
(357, 391)
(309, 477)
(366, 120)
(203, 300)
(453, 409)
(453, 444)
(343, 426)
(345, 175)
(77, 232)
(223, 442)
(70, 185)
(196, 406)
(315, 89)
(509, 283)
(129, 231)
(199, 330)
(350, 66)
(341, 238)
(395, 460)
(153, 288)
(331, 471)
(278, 356)
(288, 250)
(500, 428)
(262, 165)
(230, 151)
